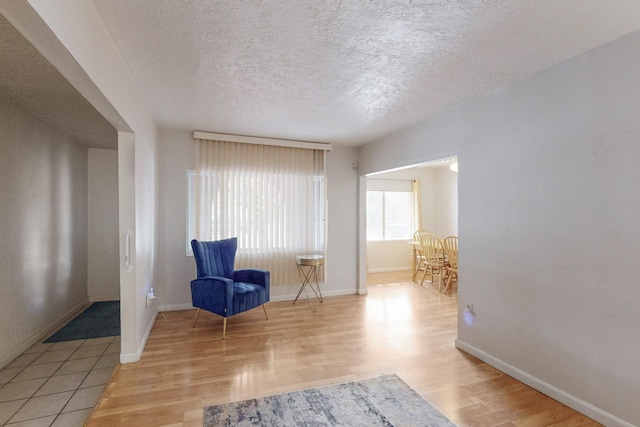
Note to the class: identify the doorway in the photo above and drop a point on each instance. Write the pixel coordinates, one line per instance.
(437, 213)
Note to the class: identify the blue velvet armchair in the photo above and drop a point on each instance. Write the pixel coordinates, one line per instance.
(222, 290)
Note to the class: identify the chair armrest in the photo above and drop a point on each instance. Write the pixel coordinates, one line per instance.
(214, 294)
(253, 275)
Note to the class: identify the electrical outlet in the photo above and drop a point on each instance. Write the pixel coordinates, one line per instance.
(150, 297)
(470, 307)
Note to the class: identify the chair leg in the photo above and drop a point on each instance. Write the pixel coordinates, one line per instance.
(196, 320)
(264, 307)
(451, 273)
(448, 282)
(426, 269)
(224, 328)
(415, 273)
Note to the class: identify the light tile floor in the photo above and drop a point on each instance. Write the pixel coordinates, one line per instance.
(57, 384)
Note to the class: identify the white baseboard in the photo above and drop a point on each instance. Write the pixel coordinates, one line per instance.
(388, 269)
(135, 357)
(274, 298)
(103, 298)
(45, 333)
(130, 357)
(291, 297)
(561, 396)
(175, 307)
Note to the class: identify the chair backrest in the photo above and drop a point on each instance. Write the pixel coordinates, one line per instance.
(432, 249)
(451, 247)
(215, 258)
(416, 238)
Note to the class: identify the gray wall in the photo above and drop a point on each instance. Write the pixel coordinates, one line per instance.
(103, 281)
(43, 228)
(549, 226)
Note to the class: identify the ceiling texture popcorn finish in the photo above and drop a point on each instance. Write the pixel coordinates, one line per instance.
(30, 81)
(343, 72)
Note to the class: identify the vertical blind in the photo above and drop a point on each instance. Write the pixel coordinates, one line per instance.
(270, 197)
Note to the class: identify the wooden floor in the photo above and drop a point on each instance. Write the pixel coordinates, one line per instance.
(398, 328)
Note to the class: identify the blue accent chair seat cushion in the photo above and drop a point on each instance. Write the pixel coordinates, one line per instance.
(222, 290)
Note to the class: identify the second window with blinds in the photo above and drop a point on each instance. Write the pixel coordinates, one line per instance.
(389, 209)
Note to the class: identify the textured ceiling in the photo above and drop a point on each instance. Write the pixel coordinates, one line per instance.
(345, 72)
(30, 81)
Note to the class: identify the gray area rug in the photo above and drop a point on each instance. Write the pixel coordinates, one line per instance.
(382, 401)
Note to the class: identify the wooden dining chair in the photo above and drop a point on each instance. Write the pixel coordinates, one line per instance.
(451, 249)
(418, 254)
(434, 254)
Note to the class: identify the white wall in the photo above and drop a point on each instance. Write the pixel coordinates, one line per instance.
(103, 278)
(548, 224)
(446, 212)
(342, 223)
(43, 223)
(176, 269)
(388, 255)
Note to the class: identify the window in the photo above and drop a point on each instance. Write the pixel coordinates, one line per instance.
(272, 198)
(389, 210)
(318, 216)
